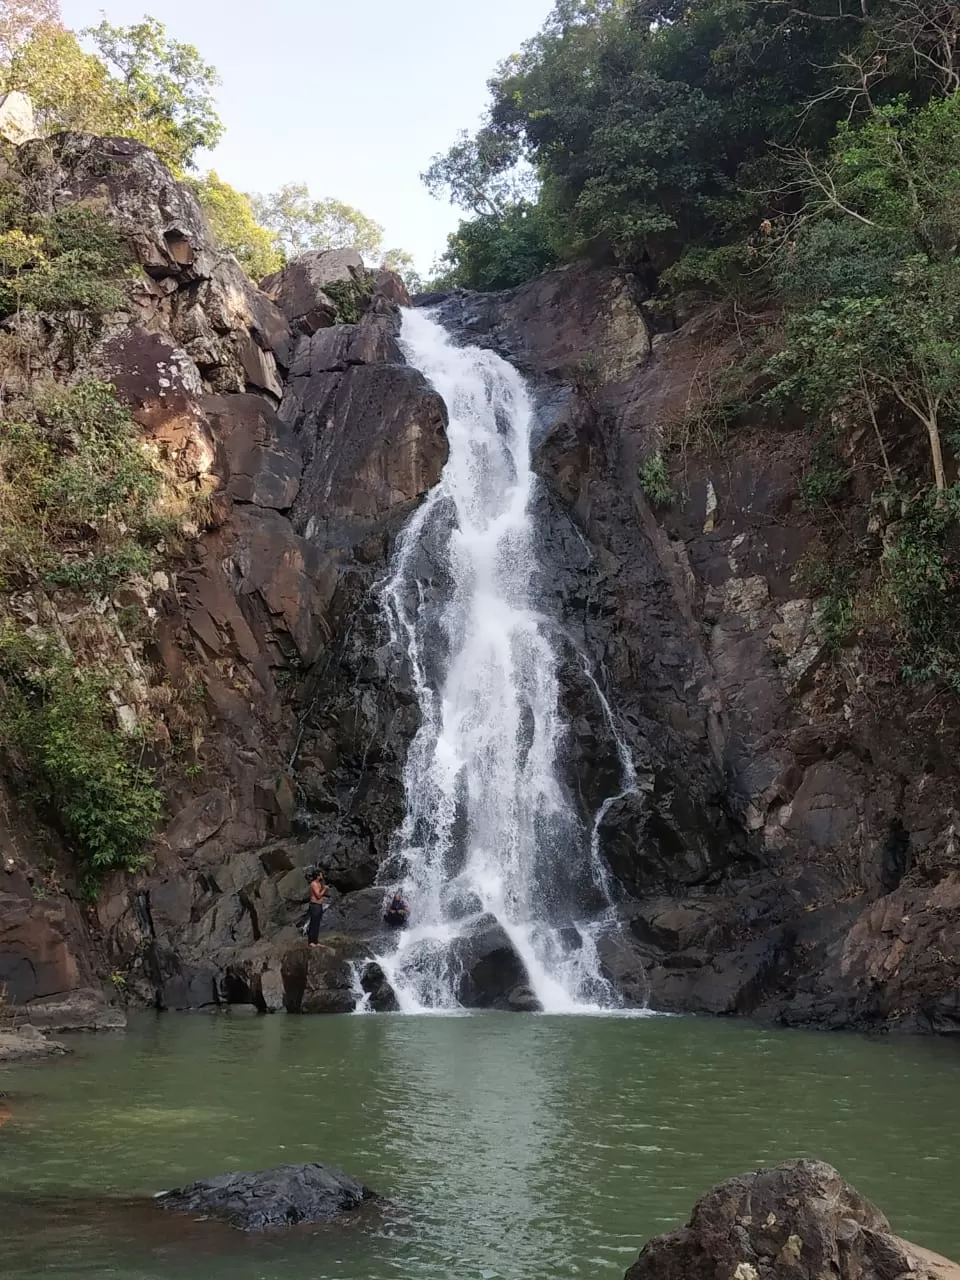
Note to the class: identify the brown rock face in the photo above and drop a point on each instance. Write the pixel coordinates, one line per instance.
(265, 637)
(786, 854)
(798, 1220)
(298, 290)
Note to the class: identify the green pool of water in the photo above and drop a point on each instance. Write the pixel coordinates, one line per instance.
(508, 1146)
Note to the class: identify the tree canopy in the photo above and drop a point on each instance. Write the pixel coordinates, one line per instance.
(652, 127)
(140, 84)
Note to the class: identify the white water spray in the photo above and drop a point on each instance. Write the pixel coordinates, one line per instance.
(489, 841)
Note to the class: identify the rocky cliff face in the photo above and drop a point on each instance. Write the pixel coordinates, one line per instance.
(791, 849)
(312, 441)
(787, 852)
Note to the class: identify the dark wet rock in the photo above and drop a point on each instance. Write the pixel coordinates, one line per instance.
(382, 998)
(359, 913)
(281, 1197)
(322, 979)
(798, 1219)
(522, 999)
(83, 1009)
(375, 442)
(491, 969)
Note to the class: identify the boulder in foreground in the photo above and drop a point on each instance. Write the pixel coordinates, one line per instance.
(795, 1221)
(282, 1197)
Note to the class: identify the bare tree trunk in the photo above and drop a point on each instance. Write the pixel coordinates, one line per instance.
(936, 452)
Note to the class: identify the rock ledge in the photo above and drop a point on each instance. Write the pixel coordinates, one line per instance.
(27, 1044)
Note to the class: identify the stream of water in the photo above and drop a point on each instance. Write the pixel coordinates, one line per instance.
(508, 1147)
(491, 843)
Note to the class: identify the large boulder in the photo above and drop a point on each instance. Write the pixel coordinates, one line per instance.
(281, 1197)
(492, 974)
(798, 1221)
(323, 979)
(17, 123)
(299, 289)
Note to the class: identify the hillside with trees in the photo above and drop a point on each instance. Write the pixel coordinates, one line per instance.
(798, 166)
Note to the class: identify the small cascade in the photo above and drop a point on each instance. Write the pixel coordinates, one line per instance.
(361, 997)
(492, 855)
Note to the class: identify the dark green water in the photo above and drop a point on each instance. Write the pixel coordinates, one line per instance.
(510, 1147)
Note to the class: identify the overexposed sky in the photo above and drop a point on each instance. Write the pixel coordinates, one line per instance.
(352, 98)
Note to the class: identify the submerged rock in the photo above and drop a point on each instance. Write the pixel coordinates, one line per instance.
(281, 1197)
(799, 1219)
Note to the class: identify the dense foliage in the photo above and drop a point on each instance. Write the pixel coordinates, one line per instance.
(55, 722)
(653, 127)
(71, 260)
(78, 510)
(140, 83)
(800, 163)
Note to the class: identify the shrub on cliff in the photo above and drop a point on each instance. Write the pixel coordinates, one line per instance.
(57, 722)
(71, 260)
(77, 490)
(78, 510)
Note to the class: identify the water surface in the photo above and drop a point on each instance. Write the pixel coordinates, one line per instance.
(509, 1146)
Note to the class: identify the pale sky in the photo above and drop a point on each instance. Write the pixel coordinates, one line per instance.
(351, 98)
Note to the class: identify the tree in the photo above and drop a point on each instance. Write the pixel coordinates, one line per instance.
(481, 173)
(70, 89)
(879, 230)
(401, 262)
(301, 223)
(166, 83)
(497, 250)
(232, 221)
(20, 18)
(161, 95)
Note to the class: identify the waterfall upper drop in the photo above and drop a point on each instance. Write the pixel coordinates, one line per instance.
(492, 854)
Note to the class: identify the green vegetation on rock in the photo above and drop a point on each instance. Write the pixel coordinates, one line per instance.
(799, 166)
(71, 260)
(56, 722)
(78, 507)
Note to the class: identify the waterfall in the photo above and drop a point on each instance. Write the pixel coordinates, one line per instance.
(491, 847)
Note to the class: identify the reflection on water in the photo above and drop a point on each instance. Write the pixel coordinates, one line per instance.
(506, 1146)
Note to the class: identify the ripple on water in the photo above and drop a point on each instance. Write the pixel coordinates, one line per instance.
(506, 1146)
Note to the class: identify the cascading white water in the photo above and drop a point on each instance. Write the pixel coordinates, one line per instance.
(489, 840)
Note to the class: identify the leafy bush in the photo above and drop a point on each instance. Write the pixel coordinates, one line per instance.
(497, 250)
(655, 482)
(76, 490)
(59, 722)
(71, 260)
(921, 572)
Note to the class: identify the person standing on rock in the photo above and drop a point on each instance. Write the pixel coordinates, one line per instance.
(318, 893)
